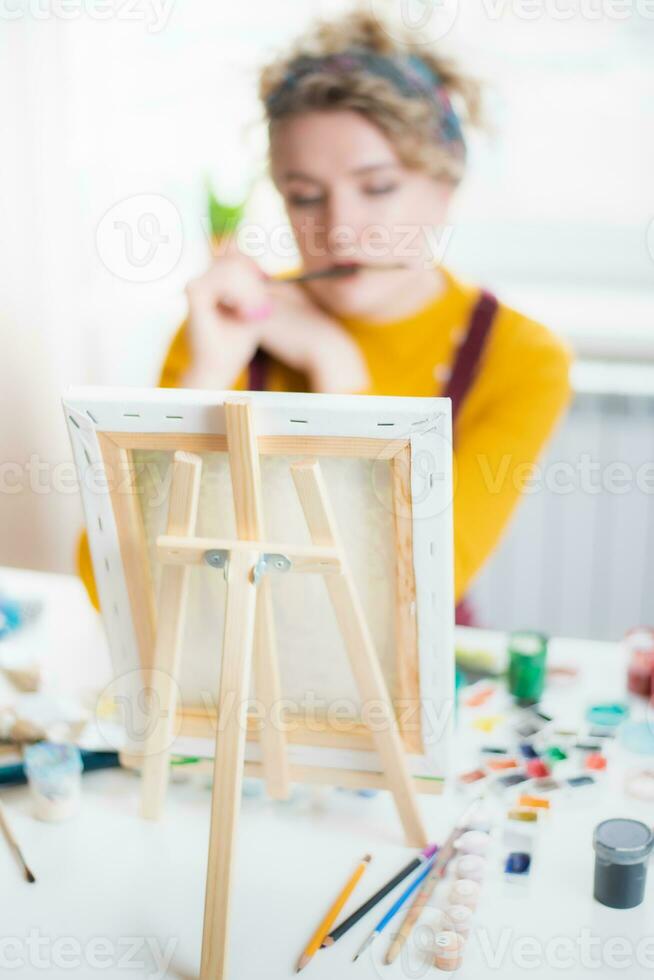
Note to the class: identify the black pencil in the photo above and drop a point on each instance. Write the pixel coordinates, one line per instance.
(359, 913)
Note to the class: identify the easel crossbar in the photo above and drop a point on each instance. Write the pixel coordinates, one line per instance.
(173, 550)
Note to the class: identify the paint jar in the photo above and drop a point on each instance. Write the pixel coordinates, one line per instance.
(537, 769)
(472, 776)
(622, 848)
(464, 892)
(458, 918)
(523, 814)
(54, 775)
(10, 616)
(527, 661)
(607, 716)
(471, 866)
(473, 842)
(481, 819)
(517, 865)
(595, 762)
(534, 802)
(639, 644)
(640, 785)
(448, 951)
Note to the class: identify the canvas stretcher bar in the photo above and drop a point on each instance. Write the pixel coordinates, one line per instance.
(108, 426)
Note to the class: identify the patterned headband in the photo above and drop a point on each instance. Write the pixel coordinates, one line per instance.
(411, 76)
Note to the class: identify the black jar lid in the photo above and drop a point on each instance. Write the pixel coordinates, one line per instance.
(623, 841)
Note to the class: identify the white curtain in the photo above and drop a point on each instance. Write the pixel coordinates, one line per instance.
(41, 345)
(101, 117)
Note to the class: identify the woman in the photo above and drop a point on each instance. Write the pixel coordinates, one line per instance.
(366, 149)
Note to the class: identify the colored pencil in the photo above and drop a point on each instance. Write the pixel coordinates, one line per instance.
(379, 895)
(438, 869)
(332, 914)
(395, 908)
(14, 846)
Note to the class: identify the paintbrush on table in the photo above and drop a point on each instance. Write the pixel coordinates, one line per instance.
(14, 845)
(437, 870)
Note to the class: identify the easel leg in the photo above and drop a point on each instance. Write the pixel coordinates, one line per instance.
(248, 508)
(360, 648)
(228, 767)
(268, 688)
(182, 516)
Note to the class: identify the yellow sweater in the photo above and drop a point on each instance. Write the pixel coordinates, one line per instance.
(519, 394)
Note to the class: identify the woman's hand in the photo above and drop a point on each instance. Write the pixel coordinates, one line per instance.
(234, 308)
(226, 306)
(298, 333)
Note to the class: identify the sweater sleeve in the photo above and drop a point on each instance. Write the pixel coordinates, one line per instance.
(178, 360)
(522, 391)
(176, 364)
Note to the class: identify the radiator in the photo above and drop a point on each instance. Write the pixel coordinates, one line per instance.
(578, 557)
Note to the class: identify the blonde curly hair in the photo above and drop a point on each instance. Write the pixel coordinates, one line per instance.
(393, 77)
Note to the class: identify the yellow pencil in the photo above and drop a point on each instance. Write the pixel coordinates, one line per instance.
(329, 920)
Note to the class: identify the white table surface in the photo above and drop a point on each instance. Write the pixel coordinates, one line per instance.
(119, 897)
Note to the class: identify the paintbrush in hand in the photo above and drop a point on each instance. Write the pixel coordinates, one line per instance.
(341, 271)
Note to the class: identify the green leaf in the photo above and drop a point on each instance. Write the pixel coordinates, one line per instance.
(224, 218)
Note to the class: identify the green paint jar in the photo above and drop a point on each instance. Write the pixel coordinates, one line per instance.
(527, 665)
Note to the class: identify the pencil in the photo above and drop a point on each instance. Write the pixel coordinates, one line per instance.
(438, 868)
(379, 895)
(13, 845)
(330, 917)
(395, 908)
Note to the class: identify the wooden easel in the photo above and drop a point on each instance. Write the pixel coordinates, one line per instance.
(249, 637)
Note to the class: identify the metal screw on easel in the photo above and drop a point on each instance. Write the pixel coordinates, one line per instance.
(218, 558)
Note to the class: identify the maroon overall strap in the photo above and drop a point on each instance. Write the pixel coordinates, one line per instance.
(469, 358)
(464, 372)
(258, 371)
(465, 367)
